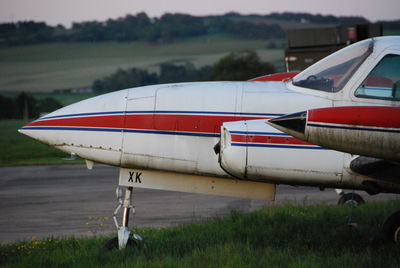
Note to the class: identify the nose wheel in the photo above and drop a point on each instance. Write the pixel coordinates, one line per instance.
(351, 199)
(125, 238)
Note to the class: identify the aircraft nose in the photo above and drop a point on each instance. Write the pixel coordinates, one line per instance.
(81, 123)
(24, 130)
(292, 124)
(91, 129)
(40, 134)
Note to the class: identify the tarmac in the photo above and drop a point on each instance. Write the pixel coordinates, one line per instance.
(69, 200)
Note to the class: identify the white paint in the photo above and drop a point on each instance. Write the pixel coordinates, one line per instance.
(196, 184)
(194, 154)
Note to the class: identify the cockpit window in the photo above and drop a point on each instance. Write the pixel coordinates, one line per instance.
(384, 80)
(332, 73)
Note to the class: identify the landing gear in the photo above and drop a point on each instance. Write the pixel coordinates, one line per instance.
(391, 228)
(351, 199)
(125, 238)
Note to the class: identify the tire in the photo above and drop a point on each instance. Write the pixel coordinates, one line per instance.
(391, 228)
(113, 244)
(351, 199)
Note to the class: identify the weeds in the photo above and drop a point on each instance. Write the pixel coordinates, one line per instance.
(279, 236)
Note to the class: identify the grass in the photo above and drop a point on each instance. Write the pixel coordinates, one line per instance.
(280, 236)
(45, 67)
(17, 149)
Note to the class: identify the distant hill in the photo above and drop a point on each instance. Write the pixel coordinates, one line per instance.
(167, 28)
(289, 20)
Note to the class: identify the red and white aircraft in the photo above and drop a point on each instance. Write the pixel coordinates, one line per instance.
(213, 137)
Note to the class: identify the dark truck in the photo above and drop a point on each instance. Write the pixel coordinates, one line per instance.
(307, 46)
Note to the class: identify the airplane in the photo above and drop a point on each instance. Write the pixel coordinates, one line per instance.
(214, 137)
(372, 131)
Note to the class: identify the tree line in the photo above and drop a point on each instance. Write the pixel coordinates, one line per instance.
(25, 106)
(167, 28)
(318, 18)
(236, 66)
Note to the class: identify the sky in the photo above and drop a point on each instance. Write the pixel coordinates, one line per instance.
(65, 12)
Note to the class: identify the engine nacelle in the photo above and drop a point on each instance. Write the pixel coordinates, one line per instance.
(253, 150)
(233, 155)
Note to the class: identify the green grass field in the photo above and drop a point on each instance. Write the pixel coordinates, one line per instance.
(17, 149)
(45, 67)
(279, 236)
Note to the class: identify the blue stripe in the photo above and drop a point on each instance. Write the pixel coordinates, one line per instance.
(354, 128)
(259, 133)
(203, 112)
(126, 130)
(160, 112)
(172, 133)
(82, 114)
(278, 146)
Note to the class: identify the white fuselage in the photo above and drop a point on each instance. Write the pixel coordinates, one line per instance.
(175, 127)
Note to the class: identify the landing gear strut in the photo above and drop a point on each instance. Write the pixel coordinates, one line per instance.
(125, 238)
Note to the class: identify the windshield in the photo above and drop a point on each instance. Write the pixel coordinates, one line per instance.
(332, 73)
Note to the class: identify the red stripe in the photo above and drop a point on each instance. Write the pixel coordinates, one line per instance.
(275, 77)
(165, 122)
(267, 139)
(377, 116)
(112, 121)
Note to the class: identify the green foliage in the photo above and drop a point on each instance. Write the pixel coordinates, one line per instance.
(25, 106)
(173, 26)
(6, 108)
(246, 29)
(279, 236)
(168, 28)
(237, 66)
(170, 73)
(124, 79)
(48, 105)
(25, 32)
(330, 19)
(240, 66)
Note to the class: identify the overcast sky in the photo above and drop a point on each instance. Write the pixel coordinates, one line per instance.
(67, 11)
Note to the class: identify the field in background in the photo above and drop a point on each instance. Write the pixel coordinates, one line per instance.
(45, 67)
(17, 149)
(279, 236)
(63, 98)
(40, 69)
